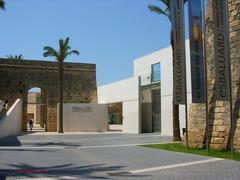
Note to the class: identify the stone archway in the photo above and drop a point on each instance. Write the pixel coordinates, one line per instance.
(37, 107)
(17, 77)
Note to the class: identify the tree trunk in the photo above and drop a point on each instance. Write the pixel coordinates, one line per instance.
(175, 107)
(60, 121)
(176, 127)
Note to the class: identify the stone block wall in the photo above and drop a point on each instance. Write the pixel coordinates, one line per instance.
(219, 116)
(17, 77)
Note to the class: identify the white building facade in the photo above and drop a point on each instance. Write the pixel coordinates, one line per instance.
(146, 98)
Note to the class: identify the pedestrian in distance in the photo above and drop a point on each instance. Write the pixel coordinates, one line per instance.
(6, 104)
(30, 124)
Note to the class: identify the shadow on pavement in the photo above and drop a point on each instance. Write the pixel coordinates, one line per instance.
(96, 171)
(26, 150)
(10, 141)
(14, 141)
(53, 144)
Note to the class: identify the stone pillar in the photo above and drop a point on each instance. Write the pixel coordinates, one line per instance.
(219, 111)
(24, 113)
(234, 23)
(52, 118)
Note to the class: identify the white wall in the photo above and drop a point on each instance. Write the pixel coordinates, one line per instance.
(11, 123)
(127, 92)
(131, 117)
(142, 66)
(84, 117)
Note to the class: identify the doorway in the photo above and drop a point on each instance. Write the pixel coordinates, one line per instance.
(156, 110)
(115, 117)
(36, 109)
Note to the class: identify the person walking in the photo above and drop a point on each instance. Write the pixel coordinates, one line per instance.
(30, 124)
(6, 104)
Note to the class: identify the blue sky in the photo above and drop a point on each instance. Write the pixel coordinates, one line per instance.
(109, 33)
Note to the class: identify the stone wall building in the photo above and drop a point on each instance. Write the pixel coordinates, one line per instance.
(17, 77)
(219, 116)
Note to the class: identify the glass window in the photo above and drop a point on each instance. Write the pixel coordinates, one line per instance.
(156, 72)
(115, 118)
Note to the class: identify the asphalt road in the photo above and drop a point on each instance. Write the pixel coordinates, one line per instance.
(104, 156)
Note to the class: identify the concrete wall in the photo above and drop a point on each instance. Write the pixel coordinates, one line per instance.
(142, 67)
(84, 117)
(11, 123)
(127, 92)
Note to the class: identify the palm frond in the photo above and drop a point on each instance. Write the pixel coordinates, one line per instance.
(10, 56)
(64, 50)
(160, 11)
(49, 51)
(166, 2)
(75, 52)
(15, 58)
(61, 43)
(2, 5)
(20, 57)
(66, 42)
(48, 48)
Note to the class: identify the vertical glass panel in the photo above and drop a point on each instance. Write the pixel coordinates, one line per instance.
(156, 72)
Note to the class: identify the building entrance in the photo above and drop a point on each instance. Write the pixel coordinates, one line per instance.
(37, 109)
(115, 118)
(156, 110)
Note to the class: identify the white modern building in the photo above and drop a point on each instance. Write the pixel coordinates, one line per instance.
(143, 103)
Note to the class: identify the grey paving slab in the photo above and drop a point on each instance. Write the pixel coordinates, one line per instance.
(85, 157)
(83, 140)
(221, 170)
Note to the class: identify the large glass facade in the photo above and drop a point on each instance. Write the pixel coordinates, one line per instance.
(156, 75)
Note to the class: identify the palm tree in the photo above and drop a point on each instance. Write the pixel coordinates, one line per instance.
(16, 57)
(166, 12)
(60, 56)
(2, 5)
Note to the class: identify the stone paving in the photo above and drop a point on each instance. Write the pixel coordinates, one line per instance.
(104, 156)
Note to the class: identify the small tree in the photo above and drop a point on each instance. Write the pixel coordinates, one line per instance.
(16, 57)
(64, 51)
(166, 12)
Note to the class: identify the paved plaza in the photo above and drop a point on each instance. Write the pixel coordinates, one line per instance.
(49, 156)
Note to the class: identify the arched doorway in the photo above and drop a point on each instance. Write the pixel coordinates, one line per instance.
(37, 109)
